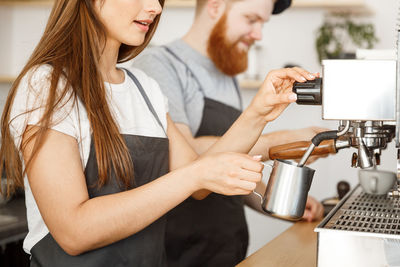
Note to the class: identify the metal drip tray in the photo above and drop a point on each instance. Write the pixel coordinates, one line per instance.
(362, 230)
(367, 213)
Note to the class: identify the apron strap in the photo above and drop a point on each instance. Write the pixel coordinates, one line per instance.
(180, 60)
(197, 80)
(235, 82)
(146, 98)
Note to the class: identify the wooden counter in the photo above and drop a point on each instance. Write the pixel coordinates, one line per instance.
(297, 246)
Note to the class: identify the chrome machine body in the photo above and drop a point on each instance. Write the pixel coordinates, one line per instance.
(363, 95)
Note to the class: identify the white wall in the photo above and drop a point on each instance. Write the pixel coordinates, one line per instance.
(288, 38)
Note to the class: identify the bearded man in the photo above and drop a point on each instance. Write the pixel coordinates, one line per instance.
(197, 74)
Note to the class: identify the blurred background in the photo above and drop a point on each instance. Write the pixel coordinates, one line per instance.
(302, 35)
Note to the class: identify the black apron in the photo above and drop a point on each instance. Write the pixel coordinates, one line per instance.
(212, 231)
(145, 248)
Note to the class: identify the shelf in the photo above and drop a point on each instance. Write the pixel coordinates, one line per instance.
(180, 3)
(173, 3)
(7, 79)
(250, 84)
(328, 4)
(352, 4)
(27, 2)
(296, 3)
(357, 7)
(243, 84)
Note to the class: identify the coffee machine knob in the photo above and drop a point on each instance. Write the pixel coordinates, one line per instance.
(309, 92)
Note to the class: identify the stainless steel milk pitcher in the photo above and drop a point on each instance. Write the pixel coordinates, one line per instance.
(286, 194)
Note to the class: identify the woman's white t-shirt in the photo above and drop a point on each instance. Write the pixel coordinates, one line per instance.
(127, 105)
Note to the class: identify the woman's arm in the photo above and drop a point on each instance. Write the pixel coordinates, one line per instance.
(80, 224)
(182, 154)
(272, 98)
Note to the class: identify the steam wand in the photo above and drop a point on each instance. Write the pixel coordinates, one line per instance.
(319, 138)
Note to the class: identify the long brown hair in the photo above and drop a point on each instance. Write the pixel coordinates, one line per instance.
(72, 44)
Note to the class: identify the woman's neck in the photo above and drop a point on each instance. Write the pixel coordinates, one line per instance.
(108, 63)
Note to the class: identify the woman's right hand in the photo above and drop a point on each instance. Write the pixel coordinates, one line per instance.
(227, 173)
(276, 92)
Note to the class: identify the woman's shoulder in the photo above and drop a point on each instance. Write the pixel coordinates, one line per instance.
(152, 89)
(139, 74)
(37, 79)
(38, 74)
(35, 86)
(148, 83)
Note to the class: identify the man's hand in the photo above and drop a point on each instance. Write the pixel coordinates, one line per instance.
(314, 210)
(284, 137)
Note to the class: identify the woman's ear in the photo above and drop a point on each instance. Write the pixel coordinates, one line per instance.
(216, 8)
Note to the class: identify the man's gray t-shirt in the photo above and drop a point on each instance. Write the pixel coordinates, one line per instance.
(185, 81)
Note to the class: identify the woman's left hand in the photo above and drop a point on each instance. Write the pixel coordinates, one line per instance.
(276, 92)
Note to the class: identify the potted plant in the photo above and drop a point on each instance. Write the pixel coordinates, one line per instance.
(339, 36)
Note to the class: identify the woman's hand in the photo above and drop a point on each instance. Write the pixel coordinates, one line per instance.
(227, 173)
(276, 92)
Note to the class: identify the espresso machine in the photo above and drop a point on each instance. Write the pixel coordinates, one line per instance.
(364, 97)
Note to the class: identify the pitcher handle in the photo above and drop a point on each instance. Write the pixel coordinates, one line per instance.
(259, 195)
(254, 191)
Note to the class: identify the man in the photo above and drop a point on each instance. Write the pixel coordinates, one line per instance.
(197, 73)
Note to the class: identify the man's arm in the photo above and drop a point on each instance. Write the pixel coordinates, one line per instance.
(203, 143)
(266, 141)
(199, 144)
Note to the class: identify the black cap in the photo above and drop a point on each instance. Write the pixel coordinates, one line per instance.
(281, 5)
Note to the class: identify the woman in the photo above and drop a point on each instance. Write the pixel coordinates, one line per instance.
(92, 143)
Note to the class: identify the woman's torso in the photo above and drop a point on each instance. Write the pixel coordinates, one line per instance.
(137, 125)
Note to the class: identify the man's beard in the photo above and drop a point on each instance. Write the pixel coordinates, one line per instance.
(225, 54)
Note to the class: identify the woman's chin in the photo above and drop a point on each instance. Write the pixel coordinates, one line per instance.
(134, 42)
